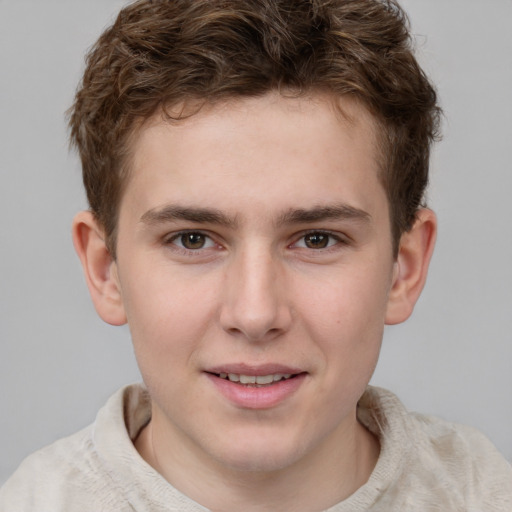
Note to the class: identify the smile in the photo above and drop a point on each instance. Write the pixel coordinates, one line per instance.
(255, 380)
(271, 386)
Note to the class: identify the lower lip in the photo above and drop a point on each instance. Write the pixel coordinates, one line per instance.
(264, 397)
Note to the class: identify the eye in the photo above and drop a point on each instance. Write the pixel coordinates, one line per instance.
(317, 240)
(192, 240)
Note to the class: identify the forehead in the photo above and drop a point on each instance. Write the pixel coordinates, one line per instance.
(269, 148)
(318, 109)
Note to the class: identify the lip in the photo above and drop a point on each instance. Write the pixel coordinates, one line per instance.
(249, 397)
(254, 370)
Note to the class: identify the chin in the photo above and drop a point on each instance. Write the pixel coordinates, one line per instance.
(259, 457)
(260, 463)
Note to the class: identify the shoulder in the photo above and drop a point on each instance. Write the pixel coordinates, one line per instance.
(432, 464)
(465, 457)
(52, 478)
(68, 475)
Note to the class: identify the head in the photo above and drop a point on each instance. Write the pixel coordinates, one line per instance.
(179, 56)
(255, 171)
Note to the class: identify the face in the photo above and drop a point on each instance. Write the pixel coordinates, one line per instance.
(254, 261)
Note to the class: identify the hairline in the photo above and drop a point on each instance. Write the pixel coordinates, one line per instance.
(187, 108)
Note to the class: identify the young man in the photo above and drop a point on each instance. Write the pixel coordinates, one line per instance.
(255, 172)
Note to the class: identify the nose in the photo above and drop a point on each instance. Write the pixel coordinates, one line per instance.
(255, 304)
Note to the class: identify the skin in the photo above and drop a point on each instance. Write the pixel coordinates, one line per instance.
(290, 264)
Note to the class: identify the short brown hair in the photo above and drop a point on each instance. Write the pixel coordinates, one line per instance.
(160, 53)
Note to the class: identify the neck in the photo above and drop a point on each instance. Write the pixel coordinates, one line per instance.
(340, 465)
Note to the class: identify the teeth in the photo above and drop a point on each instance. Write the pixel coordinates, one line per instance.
(261, 380)
(279, 376)
(247, 379)
(264, 379)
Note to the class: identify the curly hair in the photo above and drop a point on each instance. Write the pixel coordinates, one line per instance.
(162, 53)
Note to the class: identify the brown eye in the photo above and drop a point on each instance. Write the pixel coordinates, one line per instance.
(193, 240)
(191, 243)
(316, 240)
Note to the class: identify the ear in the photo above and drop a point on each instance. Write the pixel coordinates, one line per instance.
(99, 268)
(411, 266)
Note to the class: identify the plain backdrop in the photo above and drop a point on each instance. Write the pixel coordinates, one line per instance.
(59, 362)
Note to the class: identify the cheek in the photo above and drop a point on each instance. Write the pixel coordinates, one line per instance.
(351, 303)
(167, 316)
(159, 296)
(346, 319)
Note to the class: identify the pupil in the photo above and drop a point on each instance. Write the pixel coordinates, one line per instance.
(192, 240)
(317, 241)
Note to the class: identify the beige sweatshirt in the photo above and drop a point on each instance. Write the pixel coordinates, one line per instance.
(425, 465)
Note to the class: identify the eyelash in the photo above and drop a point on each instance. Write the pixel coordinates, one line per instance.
(171, 240)
(332, 237)
(333, 240)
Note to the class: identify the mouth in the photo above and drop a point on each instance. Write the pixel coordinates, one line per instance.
(256, 381)
(257, 387)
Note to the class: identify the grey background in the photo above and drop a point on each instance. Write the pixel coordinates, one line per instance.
(59, 362)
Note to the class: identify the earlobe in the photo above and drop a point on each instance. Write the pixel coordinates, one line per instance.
(99, 268)
(411, 266)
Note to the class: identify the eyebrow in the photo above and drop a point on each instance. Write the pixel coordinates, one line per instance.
(321, 213)
(172, 213)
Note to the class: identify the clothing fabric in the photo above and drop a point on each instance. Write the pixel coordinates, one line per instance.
(425, 464)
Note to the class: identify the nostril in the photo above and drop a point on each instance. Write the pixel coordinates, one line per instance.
(255, 335)
(256, 311)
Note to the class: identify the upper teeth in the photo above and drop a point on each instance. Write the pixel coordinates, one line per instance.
(255, 379)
